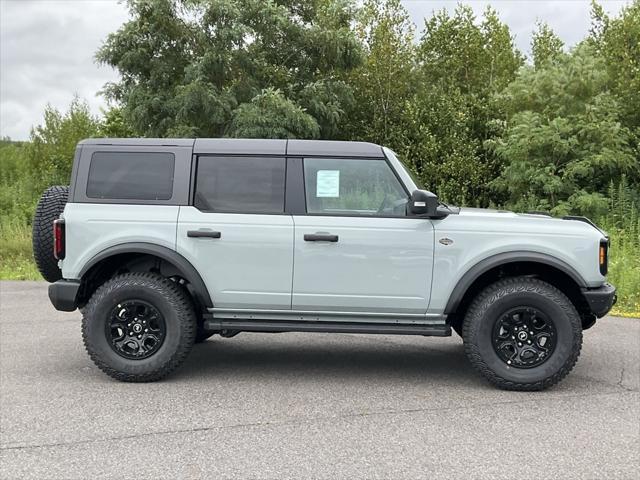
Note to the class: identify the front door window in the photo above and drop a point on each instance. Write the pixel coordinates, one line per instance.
(353, 187)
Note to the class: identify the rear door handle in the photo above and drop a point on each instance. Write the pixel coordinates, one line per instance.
(203, 234)
(320, 237)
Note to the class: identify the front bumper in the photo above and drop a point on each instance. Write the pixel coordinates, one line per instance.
(600, 299)
(63, 294)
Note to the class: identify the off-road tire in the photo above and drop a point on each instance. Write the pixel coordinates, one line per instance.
(496, 299)
(168, 298)
(50, 206)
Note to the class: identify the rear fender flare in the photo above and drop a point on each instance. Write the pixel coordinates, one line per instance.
(188, 271)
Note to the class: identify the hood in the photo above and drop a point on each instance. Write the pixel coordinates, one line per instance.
(542, 217)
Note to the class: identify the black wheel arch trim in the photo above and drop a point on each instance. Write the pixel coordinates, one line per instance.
(505, 258)
(185, 267)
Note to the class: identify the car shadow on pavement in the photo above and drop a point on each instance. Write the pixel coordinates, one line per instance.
(442, 362)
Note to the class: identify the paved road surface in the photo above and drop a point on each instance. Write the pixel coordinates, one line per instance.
(307, 405)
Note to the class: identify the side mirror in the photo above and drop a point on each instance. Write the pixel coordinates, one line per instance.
(423, 203)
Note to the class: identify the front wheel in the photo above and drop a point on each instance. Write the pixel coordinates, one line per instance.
(522, 334)
(138, 327)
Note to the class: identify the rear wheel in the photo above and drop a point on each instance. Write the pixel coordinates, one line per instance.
(522, 334)
(139, 327)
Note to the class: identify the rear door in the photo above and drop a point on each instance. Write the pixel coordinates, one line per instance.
(355, 248)
(236, 233)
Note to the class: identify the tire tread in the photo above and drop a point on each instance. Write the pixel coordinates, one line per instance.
(477, 312)
(49, 208)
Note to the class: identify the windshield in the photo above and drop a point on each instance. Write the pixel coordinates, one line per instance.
(406, 167)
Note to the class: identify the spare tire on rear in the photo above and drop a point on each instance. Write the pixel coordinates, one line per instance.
(50, 206)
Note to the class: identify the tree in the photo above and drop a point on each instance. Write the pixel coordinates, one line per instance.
(439, 145)
(187, 66)
(114, 125)
(385, 81)
(564, 142)
(470, 61)
(271, 115)
(53, 143)
(546, 46)
(474, 58)
(617, 40)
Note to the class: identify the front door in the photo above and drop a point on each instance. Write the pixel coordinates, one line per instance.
(355, 249)
(237, 234)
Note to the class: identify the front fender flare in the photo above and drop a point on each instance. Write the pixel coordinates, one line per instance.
(503, 259)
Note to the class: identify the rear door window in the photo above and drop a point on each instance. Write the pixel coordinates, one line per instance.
(240, 184)
(131, 175)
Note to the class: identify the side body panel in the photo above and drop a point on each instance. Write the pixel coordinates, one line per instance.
(476, 235)
(249, 266)
(377, 265)
(92, 228)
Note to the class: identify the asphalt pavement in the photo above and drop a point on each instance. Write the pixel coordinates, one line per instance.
(307, 406)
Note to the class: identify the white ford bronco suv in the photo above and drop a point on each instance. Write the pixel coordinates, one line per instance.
(162, 243)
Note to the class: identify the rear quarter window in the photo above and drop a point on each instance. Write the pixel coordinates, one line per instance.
(131, 175)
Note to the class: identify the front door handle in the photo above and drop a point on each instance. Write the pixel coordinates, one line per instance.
(203, 234)
(320, 237)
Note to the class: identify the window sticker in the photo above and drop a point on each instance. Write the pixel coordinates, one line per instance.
(328, 183)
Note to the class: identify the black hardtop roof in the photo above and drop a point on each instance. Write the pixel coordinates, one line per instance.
(251, 146)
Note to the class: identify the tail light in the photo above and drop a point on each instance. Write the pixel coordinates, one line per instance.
(58, 239)
(603, 256)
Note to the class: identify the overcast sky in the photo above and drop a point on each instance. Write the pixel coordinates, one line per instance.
(47, 46)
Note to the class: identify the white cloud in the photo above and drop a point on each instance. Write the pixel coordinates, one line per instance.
(47, 46)
(46, 56)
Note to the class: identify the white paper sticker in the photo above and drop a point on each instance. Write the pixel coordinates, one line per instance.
(328, 183)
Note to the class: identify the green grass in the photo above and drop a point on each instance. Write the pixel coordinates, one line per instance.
(624, 270)
(16, 257)
(19, 268)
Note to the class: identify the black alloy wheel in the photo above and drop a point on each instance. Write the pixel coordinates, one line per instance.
(524, 337)
(136, 329)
